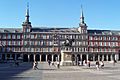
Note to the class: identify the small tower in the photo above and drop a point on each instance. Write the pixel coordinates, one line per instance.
(82, 25)
(26, 24)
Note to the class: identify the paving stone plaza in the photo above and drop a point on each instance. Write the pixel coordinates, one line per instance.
(25, 72)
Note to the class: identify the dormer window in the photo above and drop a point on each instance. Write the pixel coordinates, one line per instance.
(28, 30)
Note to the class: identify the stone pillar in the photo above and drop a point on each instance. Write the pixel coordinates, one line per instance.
(81, 57)
(40, 57)
(75, 59)
(46, 57)
(98, 57)
(102, 57)
(52, 57)
(116, 57)
(93, 57)
(28, 57)
(34, 56)
(56, 58)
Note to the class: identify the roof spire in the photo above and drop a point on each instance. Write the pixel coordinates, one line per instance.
(27, 13)
(82, 16)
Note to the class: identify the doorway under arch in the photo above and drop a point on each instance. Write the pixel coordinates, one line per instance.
(43, 57)
(78, 57)
(73, 57)
(31, 58)
(18, 55)
(84, 57)
(37, 57)
(60, 57)
(25, 58)
(3, 56)
(49, 57)
(55, 57)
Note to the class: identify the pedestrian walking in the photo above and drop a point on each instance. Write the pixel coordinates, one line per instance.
(49, 62)
(16, 63)
(35, 65)
(85, 62)
(114, 61)
(97, 65)
(82, 62)
(58, 64)
(88, 63)
(53, 64)
(102, 64)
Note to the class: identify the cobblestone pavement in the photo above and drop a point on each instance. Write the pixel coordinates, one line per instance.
(46, 72)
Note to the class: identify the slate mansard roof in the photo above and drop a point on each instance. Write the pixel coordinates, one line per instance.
(60, 30)
(10, 30)
(103, 32)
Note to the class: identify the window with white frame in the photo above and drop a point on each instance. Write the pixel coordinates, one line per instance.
(9, 36)
(18, 36)
(90, 37)
(104, 38)
(109, 44)
(104, 43)
(44, 36)
(32, 36)
(13, 36)
(101, 38)
(100, 49)
(109, 38)
(95, 37)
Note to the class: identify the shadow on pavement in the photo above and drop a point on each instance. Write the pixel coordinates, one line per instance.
(47, 69)
(8, 70)
(105, 68)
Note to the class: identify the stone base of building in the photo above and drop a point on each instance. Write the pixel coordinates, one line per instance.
(66, 63)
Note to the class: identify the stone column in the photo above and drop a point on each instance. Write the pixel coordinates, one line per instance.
(52, 57)
(46, 57)
(98, 57)
(28, 57)
(116, 57)
(34, 56)
(75, 59)
(93, 57)
(56, 58)
(102, 57)
(81, 57)
(40, 57)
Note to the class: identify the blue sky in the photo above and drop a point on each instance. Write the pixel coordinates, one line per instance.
(99, 14)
